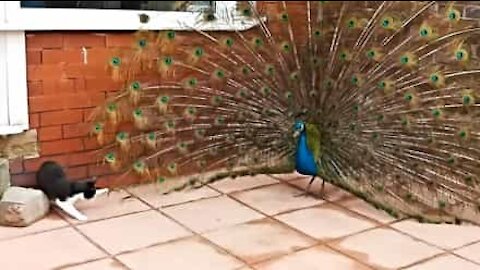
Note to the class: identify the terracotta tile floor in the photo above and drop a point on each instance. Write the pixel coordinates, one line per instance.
(250, 223)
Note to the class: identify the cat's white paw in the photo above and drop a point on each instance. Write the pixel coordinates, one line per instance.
(68, 207)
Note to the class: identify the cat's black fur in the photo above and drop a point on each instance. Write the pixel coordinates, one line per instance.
(52, 180)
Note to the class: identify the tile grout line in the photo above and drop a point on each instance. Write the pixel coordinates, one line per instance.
(194, 234)
(110, 256)
(319, 242)
(388, 225)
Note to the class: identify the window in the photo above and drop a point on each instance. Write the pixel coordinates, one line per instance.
(121, 15)
(16, 17)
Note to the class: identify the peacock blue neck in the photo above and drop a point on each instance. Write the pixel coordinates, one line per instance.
(304, 160)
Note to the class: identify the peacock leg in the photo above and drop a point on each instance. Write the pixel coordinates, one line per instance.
(307, 191)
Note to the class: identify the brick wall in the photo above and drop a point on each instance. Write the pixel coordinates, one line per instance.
(62, 90)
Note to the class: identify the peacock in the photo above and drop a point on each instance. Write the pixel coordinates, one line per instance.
(378, 98)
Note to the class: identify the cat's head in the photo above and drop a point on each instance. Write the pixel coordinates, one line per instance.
(86, 187)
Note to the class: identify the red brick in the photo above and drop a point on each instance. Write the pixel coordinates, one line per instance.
(83, 158)
(76, 130)
(90, 143)
(85, 71)
(54, 87)
(99, 169)
(43, 72)
(34, 57)
(79, 84)
(88, 114)
(16, 166)
(67, 101)
(35, 88)
(84, 100)
(59, 56)
(60, 117)
(34, 120)
(32, 165)
(49, 133)
(88, 40)
(102, 84)
(24, 180)
(59, 147)
(99, 56)
(45, 40)
(76, 173)
(120, 40)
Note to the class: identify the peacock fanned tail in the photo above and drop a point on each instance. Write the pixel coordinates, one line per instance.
(391, 89)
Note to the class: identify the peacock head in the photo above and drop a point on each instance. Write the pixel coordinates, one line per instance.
(298, 128)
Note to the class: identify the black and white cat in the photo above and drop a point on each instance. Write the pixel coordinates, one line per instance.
(52, 180)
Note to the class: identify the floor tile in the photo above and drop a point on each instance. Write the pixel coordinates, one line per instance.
(211, 214)
(365, 209)
(445, 262)
(242, 183)
(133, 231)
(259, 240)
(47, 250)
(103, 264)
(331, 193)
(326, 222)
(386, 248)
(108, 205)
(471, 252)
(152, 194)
(276, 199)
(316, 258)
(185, 254)
(442, 235)
(49, 222)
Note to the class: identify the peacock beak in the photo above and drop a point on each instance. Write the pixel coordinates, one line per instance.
(296, 133)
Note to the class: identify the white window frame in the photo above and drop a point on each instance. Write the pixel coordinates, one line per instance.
(34, 19)
(15, 20)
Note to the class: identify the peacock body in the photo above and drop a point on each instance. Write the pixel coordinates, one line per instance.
(381, 99)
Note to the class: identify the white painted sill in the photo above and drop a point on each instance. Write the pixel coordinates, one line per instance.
(42, 19)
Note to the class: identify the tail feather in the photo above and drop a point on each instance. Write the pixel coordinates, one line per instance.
(392, 87)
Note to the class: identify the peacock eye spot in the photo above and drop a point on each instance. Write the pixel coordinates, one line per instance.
(467, 100)
(424, 32)
(164, 99)
(436, 112)
(404, 59)
(116, 61)
(151, 136)
(408, 97)
(229, 42)
(371, 54)
(138, 112)
(247, 12)
(142, 43)
(135, 85)
(219, 74)
(386, 23)
(284, 17)
(434, 78)
(317, 33)
(171, 35)
(382, 84)
(198, 51)
(351, 23)
(459, 55)
(168, 60)
(462, 134)
(354, 80)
